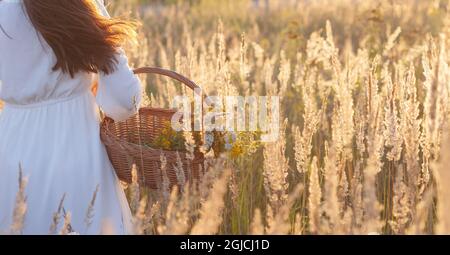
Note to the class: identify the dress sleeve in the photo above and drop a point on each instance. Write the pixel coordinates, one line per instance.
(102, 8)
(118, 93)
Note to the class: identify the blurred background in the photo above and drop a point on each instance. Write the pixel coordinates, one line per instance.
(364, 91)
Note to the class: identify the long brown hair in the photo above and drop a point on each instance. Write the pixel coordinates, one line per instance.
(81, 38)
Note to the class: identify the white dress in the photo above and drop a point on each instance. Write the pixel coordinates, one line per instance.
(50, 127)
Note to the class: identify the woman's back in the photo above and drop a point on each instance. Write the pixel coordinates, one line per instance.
(49, 126)
(26, 69)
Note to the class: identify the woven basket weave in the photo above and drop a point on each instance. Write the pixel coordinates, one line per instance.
(126, 142)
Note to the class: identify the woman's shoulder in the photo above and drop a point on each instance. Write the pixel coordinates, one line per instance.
(8, 5)
(10, 9)
(4, 2)
(14, 23)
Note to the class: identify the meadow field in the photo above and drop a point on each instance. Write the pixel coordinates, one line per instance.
(364, 144)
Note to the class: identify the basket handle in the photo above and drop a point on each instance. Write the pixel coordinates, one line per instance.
(171, 74)
(176, 76)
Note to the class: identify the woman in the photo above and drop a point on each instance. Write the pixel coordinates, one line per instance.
(50, 53)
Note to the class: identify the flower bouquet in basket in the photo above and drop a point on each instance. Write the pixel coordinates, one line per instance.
(145, 138)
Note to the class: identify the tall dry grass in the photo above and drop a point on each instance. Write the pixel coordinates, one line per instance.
(364, 89)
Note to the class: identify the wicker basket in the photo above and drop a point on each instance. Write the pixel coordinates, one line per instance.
(125, 142)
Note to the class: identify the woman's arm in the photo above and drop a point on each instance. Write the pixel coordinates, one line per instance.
(118, 93)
